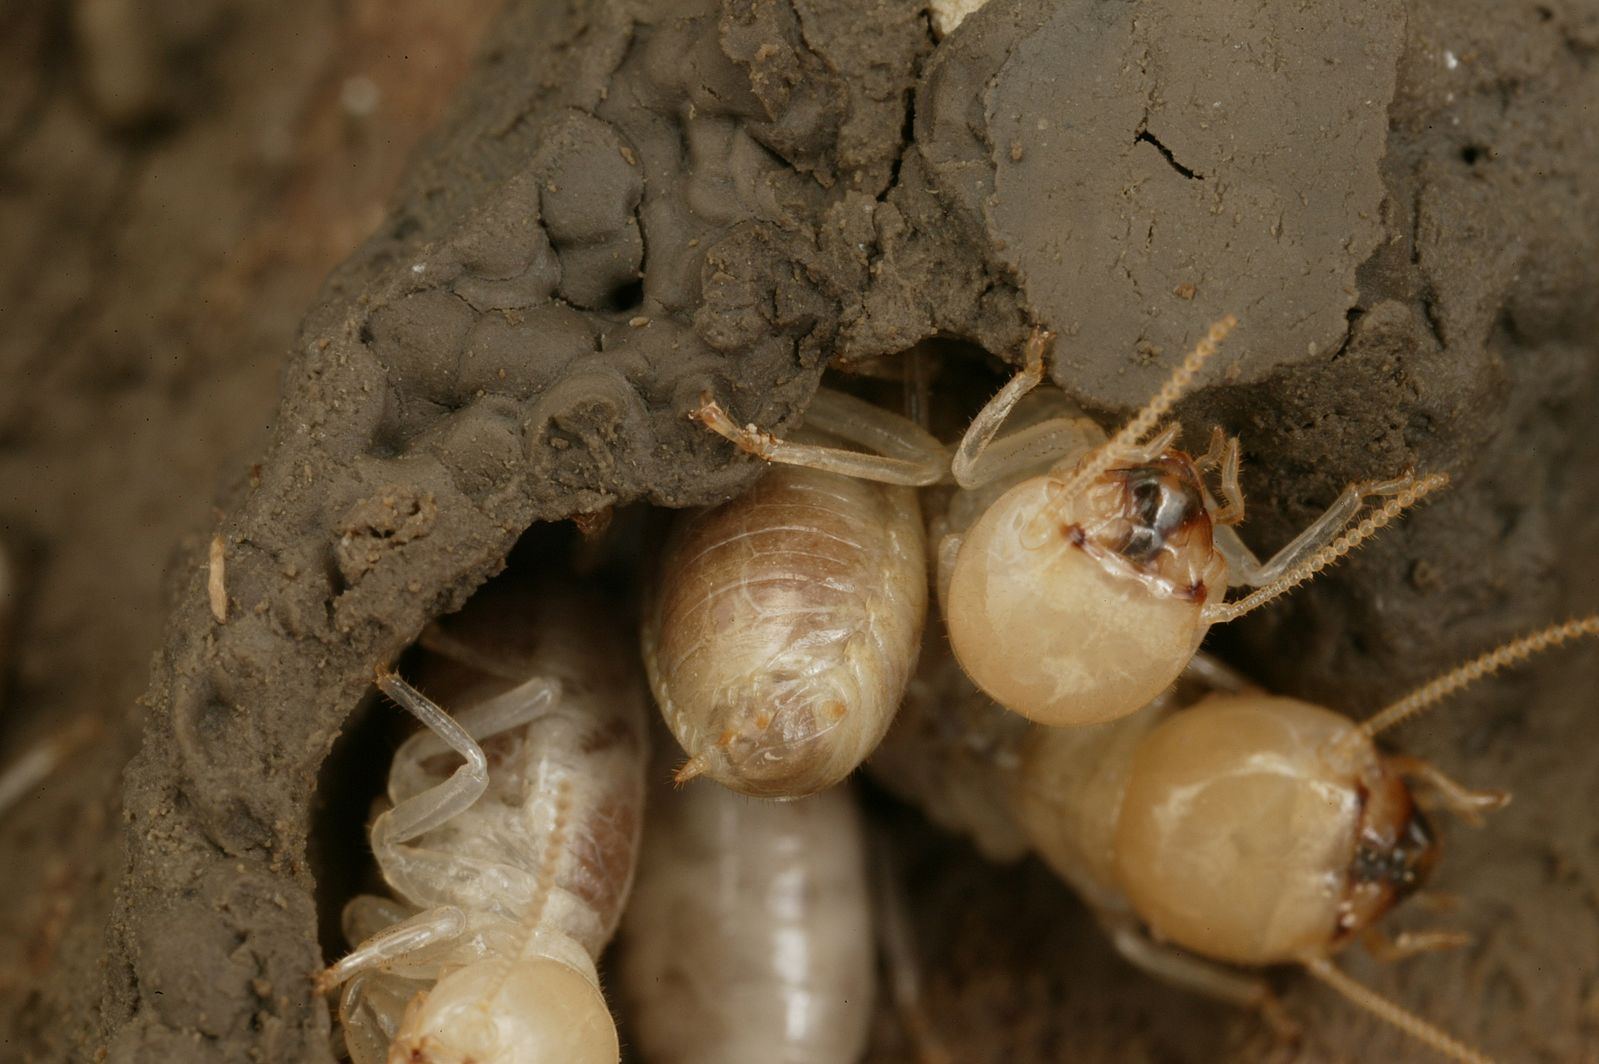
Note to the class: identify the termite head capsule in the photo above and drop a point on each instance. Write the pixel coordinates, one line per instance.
(509, 1011)
(1070, 609)
(1263, 830)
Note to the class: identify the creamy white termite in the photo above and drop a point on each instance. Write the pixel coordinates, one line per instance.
(509, 870)
(749, 936)
(782, 625)
(1078, 574)
(1246, 828)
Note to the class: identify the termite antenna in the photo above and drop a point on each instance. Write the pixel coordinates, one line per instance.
(1364, 997)
(1130, 434)
(1514, 652)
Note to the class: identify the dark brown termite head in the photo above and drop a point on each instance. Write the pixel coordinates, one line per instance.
(1396, 850)
(1152, 521)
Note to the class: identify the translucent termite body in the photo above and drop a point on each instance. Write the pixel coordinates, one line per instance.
(749, 936)
(782, 625)
(511, 869)
(1079, 573)
(1237, 826)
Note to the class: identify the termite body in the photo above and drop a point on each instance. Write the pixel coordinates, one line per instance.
(749, 935)
(782, 625)
(509, 871)
(1078, 573)
(1238, 826)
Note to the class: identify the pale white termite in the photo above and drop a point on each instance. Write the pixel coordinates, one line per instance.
(1247, 829)
(782, 625)
(511, 869)
(749, 935)
(1078, 574)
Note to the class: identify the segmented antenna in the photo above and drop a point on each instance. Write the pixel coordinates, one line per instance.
(1512, 653)
(1129, 435)
(1364, 997)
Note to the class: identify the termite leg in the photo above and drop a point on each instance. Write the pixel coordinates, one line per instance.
(370, 1010)
(1316, 547)
(1245, 568)
(1201, 976)
(905, 453)
(1224, 454)
(1464, 802)
(1407, 944)
(898, 945)
(520, 705)
(414, 940)
(978, 460)
(423, 812)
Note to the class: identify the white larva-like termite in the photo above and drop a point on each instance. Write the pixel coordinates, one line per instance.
(749, 935)
(782, 625)
(511, 869)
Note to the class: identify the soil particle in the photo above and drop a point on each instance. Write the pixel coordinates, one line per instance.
(629, 204)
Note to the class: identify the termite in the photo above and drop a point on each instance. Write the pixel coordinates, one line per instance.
(1246, 829)
(1078, 574)
(783, 625)
(749, 936)
(509, 846)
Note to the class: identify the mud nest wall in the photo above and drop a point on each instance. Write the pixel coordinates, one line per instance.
(628, 204)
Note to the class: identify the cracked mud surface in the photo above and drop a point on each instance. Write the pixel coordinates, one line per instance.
(622, 207)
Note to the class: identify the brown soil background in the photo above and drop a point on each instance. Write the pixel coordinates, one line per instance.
(1398, 200)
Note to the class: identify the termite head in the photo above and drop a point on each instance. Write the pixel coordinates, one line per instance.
(1261, 830)
(509, 1011)
(1081, 608)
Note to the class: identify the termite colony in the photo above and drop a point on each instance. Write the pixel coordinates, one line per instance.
(1057, 703)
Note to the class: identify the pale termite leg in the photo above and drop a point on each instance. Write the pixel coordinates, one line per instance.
(1319, 556)
(906, 453)
(422, 813)
(1379, 1006)
(1245, 568)
(975, 462)
(897, 942)
(1201, 976)
(1391, 949)
(413, 939)
(1466, 803)
(369, 1012)
(520, 705)
(1216, 674)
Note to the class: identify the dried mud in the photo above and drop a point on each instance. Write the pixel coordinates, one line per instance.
(627, 204)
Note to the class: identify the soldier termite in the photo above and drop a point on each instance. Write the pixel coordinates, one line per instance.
(749, 935)
(1078, 574)
(511, 869)
(783, 624)
(1246, 829)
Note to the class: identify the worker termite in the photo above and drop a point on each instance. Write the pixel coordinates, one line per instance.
(1078, 574)
(512, 868)
(1246, 829)
(783, 624)
(749, 936)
